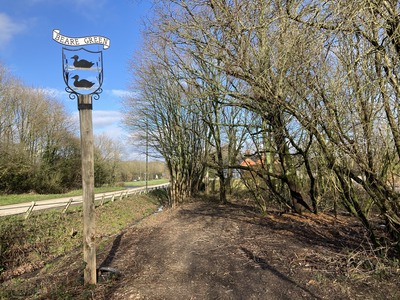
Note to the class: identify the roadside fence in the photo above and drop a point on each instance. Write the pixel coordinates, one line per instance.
(64, 203)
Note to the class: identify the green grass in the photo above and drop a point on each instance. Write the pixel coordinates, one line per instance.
(22, 198)
(143, 183)
(45, 241)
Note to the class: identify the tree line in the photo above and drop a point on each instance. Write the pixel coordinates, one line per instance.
(40, 145)
(309, 90)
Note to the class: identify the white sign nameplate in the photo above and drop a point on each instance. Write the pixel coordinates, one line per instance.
(80, 41)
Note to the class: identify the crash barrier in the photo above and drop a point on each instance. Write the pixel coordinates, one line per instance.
(64, 203)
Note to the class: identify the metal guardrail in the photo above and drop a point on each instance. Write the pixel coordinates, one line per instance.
(65, 203)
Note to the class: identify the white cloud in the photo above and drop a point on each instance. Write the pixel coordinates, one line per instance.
(105, 122)
(121, 93)
(8, 29)
(56, 93)
(103, 118)
(113, 132)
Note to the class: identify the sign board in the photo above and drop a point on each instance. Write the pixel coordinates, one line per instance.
(82, 68)
(80, 41)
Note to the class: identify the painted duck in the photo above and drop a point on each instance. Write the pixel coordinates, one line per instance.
(83, 83)
(83, 63)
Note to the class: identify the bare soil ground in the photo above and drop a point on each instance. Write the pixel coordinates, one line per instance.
(204, 250)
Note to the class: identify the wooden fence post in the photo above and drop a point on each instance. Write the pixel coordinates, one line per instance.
(67, 206)
(30, 209)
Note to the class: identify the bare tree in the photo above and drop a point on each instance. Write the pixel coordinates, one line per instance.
(107, 160)
(355, 101)
(35, 131)
(163, 110)
(254, 49)
(322, 79)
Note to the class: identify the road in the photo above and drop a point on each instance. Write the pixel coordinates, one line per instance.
(21, 208)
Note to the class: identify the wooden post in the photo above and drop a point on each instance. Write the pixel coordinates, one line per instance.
(86, 127)
(67, 206)
(30, 209)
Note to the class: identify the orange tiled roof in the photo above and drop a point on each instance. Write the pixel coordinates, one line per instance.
(247, 163)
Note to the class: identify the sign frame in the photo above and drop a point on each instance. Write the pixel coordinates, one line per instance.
(69, 69)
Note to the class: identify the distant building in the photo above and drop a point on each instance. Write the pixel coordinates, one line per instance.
(257, 165)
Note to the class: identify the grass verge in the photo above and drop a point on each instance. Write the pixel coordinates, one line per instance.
(39, 242)
(143, 183)
(22, 198)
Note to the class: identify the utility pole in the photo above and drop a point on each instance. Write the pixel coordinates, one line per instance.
(147, 156)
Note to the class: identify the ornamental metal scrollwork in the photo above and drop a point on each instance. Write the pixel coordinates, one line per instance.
(71, 94)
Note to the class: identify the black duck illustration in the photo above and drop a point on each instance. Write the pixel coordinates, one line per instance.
(83, 63)
(83, 83)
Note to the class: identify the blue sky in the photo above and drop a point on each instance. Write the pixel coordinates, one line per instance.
(27, 48)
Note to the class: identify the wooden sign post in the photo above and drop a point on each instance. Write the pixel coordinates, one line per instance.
(89, 247)
(84, 78)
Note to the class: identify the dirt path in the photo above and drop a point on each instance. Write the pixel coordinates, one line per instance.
(207, 251)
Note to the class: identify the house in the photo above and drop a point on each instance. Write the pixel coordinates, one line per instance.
(259, 165)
